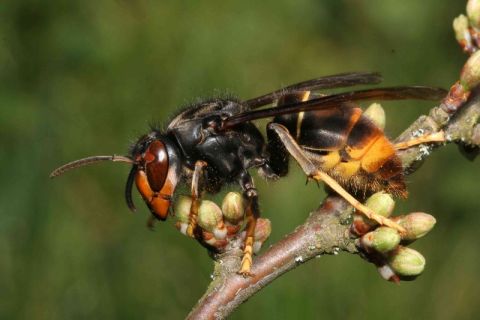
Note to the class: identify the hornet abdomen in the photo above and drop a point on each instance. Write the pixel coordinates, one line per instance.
(348, 146)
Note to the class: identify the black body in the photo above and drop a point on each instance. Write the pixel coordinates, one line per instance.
(229, 154)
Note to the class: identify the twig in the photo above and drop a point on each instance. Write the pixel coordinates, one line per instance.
(326, 231)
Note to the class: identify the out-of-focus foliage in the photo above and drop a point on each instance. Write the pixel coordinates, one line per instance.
(86, 77)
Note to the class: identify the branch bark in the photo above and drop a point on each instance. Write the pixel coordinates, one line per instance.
(326, 231)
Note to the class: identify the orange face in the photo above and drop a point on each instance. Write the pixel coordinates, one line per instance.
(155, 182)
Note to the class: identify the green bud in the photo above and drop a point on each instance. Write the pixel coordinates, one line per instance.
(233, 207)
(182, 208)
(416, 224)
(382, 203)
(209, 238)
(387, 273)
(407, 262)
(382, 239)
(460, 26)
(209, 215)
(257, 246)
(213, 241)
(473, 12)
(182, 227)
(470, 75)
(376, 113)
(476, 135)
(263, 229)
(361, 225)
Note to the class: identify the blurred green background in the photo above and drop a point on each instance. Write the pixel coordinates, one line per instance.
(82, 78)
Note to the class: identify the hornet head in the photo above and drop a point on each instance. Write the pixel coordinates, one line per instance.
(156, 170)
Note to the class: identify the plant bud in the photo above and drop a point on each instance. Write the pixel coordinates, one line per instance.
(387, 273)
(263, 228)
(262, 232)
(209, 215)
(416, 224)
(232, 229)
(407, 262)
(182, 227)
(233, 208)
(473, 13)
(382, 203)
(376, 113)
(382, 239)
(182, 208)
(360, 225)
(220, 232)
(470, 75)
(460, 26)
(209, 238)
(476, 135)
(257, 246)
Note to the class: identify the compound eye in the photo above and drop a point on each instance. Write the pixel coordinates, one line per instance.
(156, 164)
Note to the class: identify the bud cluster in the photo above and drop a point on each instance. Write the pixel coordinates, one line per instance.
(467, 33)
(219, 225)
(467, 28)
(384, 246)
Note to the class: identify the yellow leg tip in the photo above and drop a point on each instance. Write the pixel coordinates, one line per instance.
(247, 261)
(190, 232)
(246, 266)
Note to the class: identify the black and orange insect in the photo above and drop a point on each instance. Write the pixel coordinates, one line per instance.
(214, 143)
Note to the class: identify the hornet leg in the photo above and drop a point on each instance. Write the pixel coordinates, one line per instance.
(309, 168)
(192, 218)
(433, 137)
(252, 214)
